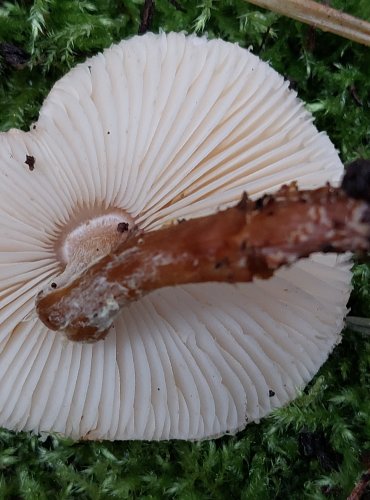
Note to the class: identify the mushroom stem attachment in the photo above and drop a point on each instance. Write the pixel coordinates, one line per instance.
(250, 240)
(320, 16)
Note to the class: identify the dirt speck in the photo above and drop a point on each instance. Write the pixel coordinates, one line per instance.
(30, 161)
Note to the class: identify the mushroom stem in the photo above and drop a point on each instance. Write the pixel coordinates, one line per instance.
(320, 16)
(250, 240)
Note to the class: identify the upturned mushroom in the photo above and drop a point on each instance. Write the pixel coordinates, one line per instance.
(159, 128)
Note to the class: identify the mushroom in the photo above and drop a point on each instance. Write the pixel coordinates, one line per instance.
(155, 129)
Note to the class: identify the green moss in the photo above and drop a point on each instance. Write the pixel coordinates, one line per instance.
(315, 447)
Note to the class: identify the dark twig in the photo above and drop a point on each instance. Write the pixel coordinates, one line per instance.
(177, 5)
(355, 96)
(264, 39)
(146, 16)
(360, 488)
(311, 39)
(13, 55)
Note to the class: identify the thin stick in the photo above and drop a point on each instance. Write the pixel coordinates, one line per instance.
(250, 240)
(146, 17)
(360, 488)
(320, 16)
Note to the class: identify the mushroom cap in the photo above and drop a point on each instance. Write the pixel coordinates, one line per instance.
(163, 127)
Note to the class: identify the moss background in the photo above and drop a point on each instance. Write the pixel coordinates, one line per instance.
(318, 446)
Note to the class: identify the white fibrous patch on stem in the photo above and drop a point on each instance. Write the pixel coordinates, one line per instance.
(82, 242)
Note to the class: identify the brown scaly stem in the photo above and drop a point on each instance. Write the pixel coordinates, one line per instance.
(250, 240)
